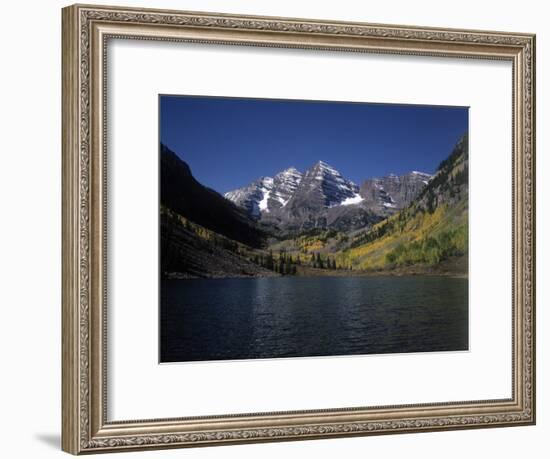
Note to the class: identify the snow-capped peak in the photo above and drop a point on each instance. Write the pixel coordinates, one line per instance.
(290, 171)
(284, 186)
(326, 168)
(267, 193)
(332, 185)
(252, 196)
(325, 185)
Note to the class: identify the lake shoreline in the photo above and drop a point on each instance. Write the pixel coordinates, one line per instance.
(453, 267)
(328, 273)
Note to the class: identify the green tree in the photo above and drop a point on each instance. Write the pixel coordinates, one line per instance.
(269, 264)
(288, 266)
(282, 269)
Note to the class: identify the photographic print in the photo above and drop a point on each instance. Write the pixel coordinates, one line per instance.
(292, 228)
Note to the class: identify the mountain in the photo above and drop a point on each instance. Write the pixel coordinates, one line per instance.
(253, 198)
(184, 195)
(431, 230)
(323, 198)
(266, 194)
(393, 192)
(322, 187)
(285, 184)
(189, 250)
(303, 224)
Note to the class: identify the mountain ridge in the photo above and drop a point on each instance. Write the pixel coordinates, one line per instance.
(318, 223)
(296, 201)
(431, 229)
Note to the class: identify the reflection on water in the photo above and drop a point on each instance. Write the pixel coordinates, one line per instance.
(219, 319)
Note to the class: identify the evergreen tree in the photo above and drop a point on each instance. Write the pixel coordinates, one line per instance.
(319, 262)
(288, 266)
(269, 261)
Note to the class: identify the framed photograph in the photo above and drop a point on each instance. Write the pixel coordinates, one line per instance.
(282, 229)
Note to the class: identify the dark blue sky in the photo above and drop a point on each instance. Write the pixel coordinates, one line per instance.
(228, 142)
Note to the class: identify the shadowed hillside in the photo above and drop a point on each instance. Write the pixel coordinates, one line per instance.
(180, 192)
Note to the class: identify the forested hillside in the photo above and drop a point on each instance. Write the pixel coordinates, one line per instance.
(433, 228)
(416, 223)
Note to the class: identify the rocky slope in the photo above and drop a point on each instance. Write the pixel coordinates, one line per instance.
(393, 192)
(189, 250)
(285, 184)
(322, 187)
(292, 202)
(252, 198)
(267, 193)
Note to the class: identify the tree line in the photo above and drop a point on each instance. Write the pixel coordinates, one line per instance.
(286, 264)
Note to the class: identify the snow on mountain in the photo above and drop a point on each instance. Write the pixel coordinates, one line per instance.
(323, 199)
(333, 186)
(353, 200)
(293, 196)
(284, 186)
(253, 197)
(266, 194)
(262, 205)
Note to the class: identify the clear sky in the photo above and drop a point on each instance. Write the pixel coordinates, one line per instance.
(229, 142)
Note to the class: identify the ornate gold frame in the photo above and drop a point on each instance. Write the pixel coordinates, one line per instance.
(86, 30)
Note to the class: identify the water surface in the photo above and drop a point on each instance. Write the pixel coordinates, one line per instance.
(220, 319)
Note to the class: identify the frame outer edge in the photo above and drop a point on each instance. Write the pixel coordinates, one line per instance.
(79, 432)
(533, 240)
(70, 343)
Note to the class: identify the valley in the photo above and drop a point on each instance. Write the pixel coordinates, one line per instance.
(316, 223)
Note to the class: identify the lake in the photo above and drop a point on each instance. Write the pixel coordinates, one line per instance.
(221, 319)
